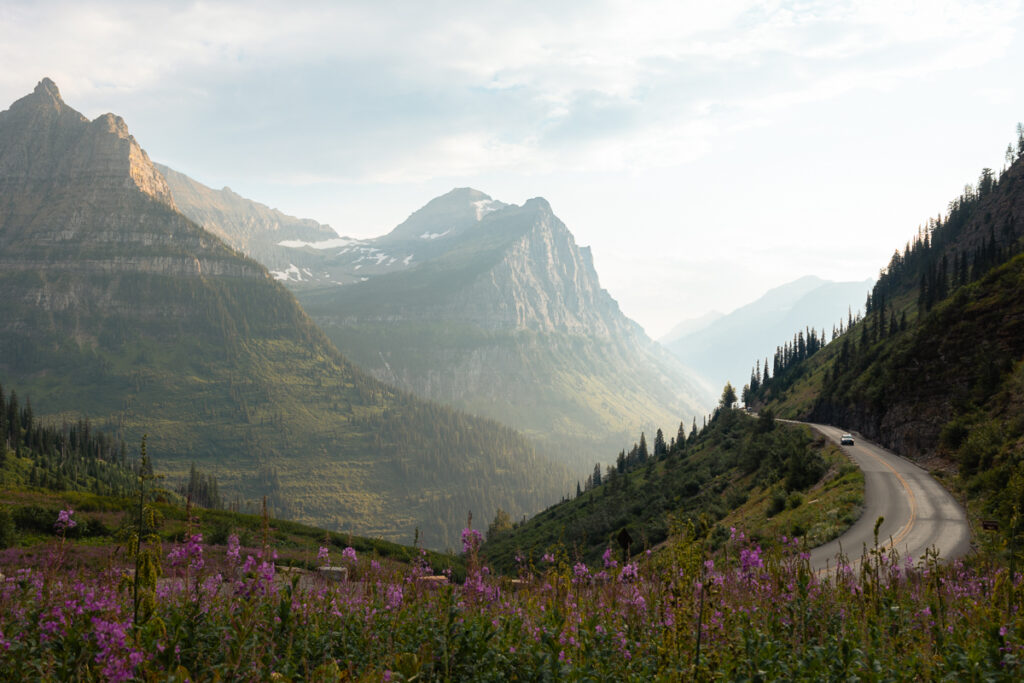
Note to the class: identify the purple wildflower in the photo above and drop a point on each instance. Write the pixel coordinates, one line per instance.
(471, 540)
(64, 521)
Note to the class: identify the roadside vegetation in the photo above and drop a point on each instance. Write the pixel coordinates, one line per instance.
(736, 613)
(776, 479)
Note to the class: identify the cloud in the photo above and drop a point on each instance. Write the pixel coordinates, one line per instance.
(389, 91)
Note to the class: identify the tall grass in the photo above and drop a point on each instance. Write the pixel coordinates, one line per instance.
(739, 614)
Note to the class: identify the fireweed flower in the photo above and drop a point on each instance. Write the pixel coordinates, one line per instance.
(64, 521)
(471, 540)
(609, 563)
(191, 553)
(323, 555)
(393, 596)
(548, 557)
(349, 554)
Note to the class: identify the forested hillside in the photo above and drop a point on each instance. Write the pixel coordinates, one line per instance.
(736, 467)
(934, 369)
(117, 308)
(71, 457)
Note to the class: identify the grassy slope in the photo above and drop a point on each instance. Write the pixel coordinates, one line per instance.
(729, 476)
(99, 541)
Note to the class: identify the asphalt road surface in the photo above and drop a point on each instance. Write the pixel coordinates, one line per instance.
(919, 514)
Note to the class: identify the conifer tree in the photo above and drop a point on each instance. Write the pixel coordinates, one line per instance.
(728, 396)
(659, 444)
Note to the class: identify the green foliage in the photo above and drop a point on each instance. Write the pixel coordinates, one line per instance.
(728, 399)
(699, 483)
(6, 527)
(739, 613)
(72, 457)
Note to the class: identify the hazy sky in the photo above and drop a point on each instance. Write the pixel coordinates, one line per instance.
(707, 151)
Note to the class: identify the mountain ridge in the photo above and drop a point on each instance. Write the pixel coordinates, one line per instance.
(541, 345)
(115, 306)
(508, 292)
(721, 350)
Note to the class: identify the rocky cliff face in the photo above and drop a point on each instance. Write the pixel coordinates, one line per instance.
(252, 228)
(506, 317)
(81, 195)
(116, 307)
(48, 147)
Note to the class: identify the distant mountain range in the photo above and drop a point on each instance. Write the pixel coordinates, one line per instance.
(493, 308)
(116, 306)
(725, 347)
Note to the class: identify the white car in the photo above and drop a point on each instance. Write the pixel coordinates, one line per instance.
(846, 440)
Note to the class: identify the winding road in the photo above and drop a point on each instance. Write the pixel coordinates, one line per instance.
(919, 513)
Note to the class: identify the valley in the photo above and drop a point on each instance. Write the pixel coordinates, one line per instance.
(464, 382)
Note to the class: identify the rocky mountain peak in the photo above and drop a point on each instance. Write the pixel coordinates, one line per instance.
(41, 137)
(445, 216)
(113, 124)
(538, 204)
(44, 103)
(47, 91)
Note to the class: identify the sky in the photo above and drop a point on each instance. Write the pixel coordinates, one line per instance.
(706, 151)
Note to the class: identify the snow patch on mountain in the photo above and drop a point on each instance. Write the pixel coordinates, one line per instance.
(292, 274)
(485, 206)
(324, 244)
(434, 235)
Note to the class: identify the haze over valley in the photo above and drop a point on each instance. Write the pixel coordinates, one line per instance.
(586, 341)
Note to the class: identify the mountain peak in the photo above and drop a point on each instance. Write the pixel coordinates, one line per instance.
(463, 194)
(538, 203)
(47, 88)
(44, 103)
(43, 137)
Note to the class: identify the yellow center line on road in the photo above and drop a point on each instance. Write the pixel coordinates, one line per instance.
(906, 487)
(910, 495)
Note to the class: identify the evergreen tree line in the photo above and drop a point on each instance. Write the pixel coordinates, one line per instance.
(926, 261)
(640, 456)
(696, 481)
(71, 456)
(787, 363)
(201, 488)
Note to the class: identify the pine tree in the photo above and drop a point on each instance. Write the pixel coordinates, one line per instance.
(659, 444)
(728, 396)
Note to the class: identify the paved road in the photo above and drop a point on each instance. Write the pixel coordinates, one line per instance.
(918, 512)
